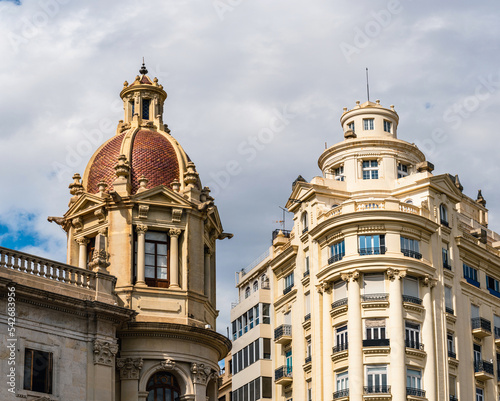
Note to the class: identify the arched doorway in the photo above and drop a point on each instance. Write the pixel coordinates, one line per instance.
(163, 386)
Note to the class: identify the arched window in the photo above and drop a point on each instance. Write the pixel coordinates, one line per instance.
(409, 201)
(247, 292)
(255, 285)
(305, 223)
(443, 214)
(163, 386)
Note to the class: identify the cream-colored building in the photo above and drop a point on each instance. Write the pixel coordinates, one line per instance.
(387, 287)
(131, 315)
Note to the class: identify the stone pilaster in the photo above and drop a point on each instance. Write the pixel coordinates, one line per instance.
(428, 338)
(82, 252)
(129, 377)
(174, 257)
(141, 255)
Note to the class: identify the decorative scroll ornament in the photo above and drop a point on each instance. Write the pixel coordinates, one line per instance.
(168, 364)
(104, 352)
(354, 276)
(393, 274)
(176, 215)
(77, 222)
(143, 211)
(200, 373)
(129, 368)
(100, 214)
(428, 281)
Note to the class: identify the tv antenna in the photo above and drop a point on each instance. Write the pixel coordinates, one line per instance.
(367, 85)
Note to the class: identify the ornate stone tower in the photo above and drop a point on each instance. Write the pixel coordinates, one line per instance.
(141, 215)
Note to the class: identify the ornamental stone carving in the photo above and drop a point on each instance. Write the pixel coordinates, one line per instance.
(129, 368)
(77, 223)
(141, 229)
(176, 215)
(393, 274)
(200, 373)
(324, 288)
(354, 276)
(122, 168)
(100, 260)
(104, 352)
(100, 214)
(143, 211)
(168, 364)
(82, 241)
(429, 281)
(174, 232)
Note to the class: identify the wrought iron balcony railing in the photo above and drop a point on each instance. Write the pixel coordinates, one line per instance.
(283, 371)
(340, 347)
(412, 300)
(411, 254)
(306, 229)
(415, 391)
(307, 317)
(341, 393)
(339, 302)
(288, 289)
(453, 398)
(480, 323)
(336, 258)
(377, 389)
(446, 266)
(378, 250)
(414, 344)
(283, 330)
(306, 273)
(380, 342)
(449, 310)
(452, 354)
(444, 223)
(308, 359)
(484, 366)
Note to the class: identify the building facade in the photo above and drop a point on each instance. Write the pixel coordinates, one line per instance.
(387, 286)
(131, 315)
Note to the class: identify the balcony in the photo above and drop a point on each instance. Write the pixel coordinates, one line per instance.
(380, 342)
(380, 389)
(414, 344)
(411, 254)
(306, 273)
(415, 391)
(449, 310)
(446, 266)
(480, 327)
(307, 317)
(341, 394)
(288, 289)
(453, 398)
(380, 250)
(335, 258)
(308, 359)
(452, 354)
(283, 375)
(444, 223)
(483, 370)
(306, 229)
(375, 297)
(283, 334)
(340, 348)
(338, 303)
(412, 300)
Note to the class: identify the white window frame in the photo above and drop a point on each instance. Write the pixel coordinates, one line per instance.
(387, 126)
(351, 126)
(403, 170)
(342, 380)
(368, 124)
(371, 168)
(338, 172)
(414, 378)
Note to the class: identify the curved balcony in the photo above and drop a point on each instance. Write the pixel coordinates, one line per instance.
(340, 302)
(415, 391)
(376, 250)
(412, 300)
(377, 389)
(340, 351)
(411, 254)
(335, 258)
(341, 394)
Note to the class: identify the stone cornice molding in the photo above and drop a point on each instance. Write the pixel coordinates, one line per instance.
(141, 228)
(393, 274)
(129, 368)
(174, 232)
(104, 352)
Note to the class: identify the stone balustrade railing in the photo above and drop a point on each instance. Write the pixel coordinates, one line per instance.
(51, 274)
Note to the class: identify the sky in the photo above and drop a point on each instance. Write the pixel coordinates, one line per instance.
(231, 68)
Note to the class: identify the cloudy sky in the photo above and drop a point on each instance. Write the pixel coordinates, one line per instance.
(229, 67)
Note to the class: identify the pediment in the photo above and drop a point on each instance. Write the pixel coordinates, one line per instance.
(162, 196)
(85, 202)
(443, 183)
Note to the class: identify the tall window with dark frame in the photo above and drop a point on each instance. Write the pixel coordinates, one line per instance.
(443, 214)
(157, 259)
(163, 386)
(146, 103)
(38, 367)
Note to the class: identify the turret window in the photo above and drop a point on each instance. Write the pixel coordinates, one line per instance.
(132, 106)
(368, 124)
(370, 170)
(387, 126)
(156, 259)
(402, 170)
(339, 173)
(351, 126)
(145, 108)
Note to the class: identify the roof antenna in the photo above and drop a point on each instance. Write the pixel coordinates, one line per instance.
(143, 70)
(367, 85)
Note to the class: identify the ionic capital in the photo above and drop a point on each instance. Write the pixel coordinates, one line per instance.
(141, 229)
(394, 274)
(428, 281)
(353, 276)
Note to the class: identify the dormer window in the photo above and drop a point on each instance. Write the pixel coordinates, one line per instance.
(387, 126)
(370, 170)
(402, 170)
(351, 126)
(339, 173)
(146, 103)
(368, 124)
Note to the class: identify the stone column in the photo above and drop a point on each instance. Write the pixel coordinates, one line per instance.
(141, 255)
(174, 257)
(82, 252)
(207, 273)
(397, 335)
(200, 375)
(355, 337)
(129, 377)
(104, 363)
(428, 339)
(328, 378)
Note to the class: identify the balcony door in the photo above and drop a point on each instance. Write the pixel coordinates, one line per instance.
(342, 381)
(412, 332)
(477, 353)
(288, 358)
(413, 379)
(376, 379)
(341, 337)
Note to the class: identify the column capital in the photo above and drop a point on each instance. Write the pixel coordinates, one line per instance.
(104, 352)
(353, 276)
(141, 228)
(82, 241)
(429, 281)
(129, 368)
(325, 287)
(174, 232)
(200, 373)
(394, 274)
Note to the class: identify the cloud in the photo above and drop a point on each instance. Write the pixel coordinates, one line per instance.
(65, 62)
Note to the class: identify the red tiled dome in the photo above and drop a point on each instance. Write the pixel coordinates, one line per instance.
(151, 155)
